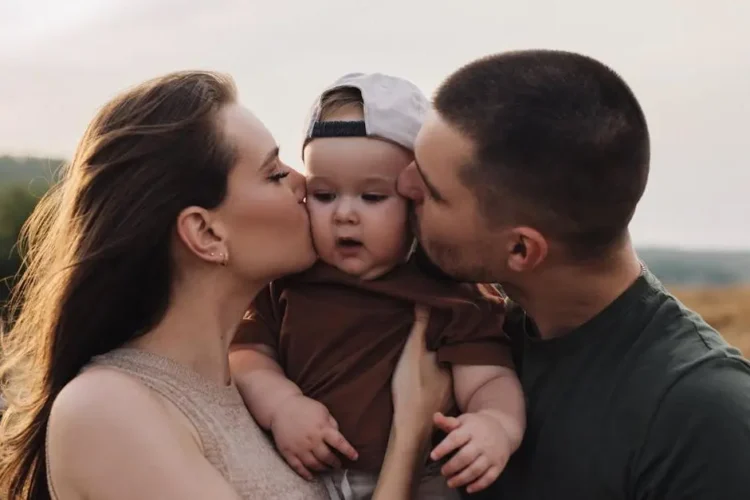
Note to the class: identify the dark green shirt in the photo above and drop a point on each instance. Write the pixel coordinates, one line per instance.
(645, 401)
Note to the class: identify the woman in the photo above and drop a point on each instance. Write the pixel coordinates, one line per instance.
(174, 212)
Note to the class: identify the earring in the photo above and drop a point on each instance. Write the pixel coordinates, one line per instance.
(224, 258)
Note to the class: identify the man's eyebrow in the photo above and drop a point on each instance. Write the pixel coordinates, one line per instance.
(430, 187)
(269, 159)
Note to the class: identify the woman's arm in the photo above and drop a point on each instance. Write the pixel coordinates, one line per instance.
(110, 438)
(420, 388)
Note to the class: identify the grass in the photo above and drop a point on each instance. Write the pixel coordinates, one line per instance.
(725, 308)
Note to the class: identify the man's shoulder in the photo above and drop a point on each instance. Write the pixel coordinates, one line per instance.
(697, 443)
(686, 371)
(715, 386)
(680, 335)
(674, 349)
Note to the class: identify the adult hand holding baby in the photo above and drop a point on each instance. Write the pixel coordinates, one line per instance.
(420, 389)
(420, 386)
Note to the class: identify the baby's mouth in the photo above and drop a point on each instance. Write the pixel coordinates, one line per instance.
(348, 243)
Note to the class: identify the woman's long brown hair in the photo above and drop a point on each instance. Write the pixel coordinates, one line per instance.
(97, 250)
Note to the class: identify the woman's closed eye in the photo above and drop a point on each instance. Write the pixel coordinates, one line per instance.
(278, 176)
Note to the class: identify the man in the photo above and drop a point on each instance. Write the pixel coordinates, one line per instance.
(528, 174)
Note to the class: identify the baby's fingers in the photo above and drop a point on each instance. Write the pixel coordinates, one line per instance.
(452, 441)
(485, 480)
(311, 462)
(324, 453)
(298, 467)
(337, 441)
(446, 424)
(465, 457)
(475, 470)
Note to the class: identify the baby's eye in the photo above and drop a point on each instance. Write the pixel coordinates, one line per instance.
(323, 196)
(373, 198)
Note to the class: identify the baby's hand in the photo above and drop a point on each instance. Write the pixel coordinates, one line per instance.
(484, 448)
(305, 432)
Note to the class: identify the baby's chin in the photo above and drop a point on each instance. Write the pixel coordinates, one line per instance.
(361, 270)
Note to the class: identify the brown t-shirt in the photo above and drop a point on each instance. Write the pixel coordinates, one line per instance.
(339, 339)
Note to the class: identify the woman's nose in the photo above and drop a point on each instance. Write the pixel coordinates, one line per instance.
(298, 184)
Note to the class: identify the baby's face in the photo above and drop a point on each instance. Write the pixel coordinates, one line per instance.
(359, 222)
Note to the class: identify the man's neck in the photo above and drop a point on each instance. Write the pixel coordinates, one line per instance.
(562, 299)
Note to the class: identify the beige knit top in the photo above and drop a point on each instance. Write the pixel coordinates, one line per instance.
(232, 441)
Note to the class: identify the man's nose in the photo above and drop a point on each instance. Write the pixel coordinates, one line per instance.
(408, 184)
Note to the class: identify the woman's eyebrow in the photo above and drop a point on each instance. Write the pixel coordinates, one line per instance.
(270, 158)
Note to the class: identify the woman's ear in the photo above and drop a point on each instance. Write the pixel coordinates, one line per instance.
(202, 234)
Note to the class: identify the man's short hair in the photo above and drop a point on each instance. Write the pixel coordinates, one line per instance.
(561, 144)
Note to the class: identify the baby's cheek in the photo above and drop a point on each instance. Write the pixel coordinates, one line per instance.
(320, 228)
(392, 229)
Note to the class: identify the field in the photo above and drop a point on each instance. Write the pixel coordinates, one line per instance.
(725, 308)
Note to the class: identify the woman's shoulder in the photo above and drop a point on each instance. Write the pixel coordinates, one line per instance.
(104, 396)
(103, 420)
(107, 400)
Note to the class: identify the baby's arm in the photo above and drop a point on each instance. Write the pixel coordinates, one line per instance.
(304, 431)
(487, 391)
(489, 430)
(261, 381)
(494, 391)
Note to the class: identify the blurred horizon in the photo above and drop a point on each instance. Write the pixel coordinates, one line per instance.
(36, 173)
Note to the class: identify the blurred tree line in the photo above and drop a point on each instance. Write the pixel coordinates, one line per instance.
(23, 181)
(16, 203)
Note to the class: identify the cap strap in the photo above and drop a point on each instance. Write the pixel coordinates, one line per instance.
(339, 129)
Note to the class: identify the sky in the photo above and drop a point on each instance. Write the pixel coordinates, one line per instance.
(688, 62)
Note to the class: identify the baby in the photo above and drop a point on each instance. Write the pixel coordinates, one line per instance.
(332, 335)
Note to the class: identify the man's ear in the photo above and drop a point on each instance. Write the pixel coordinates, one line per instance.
(202, 234)
(527, 249)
